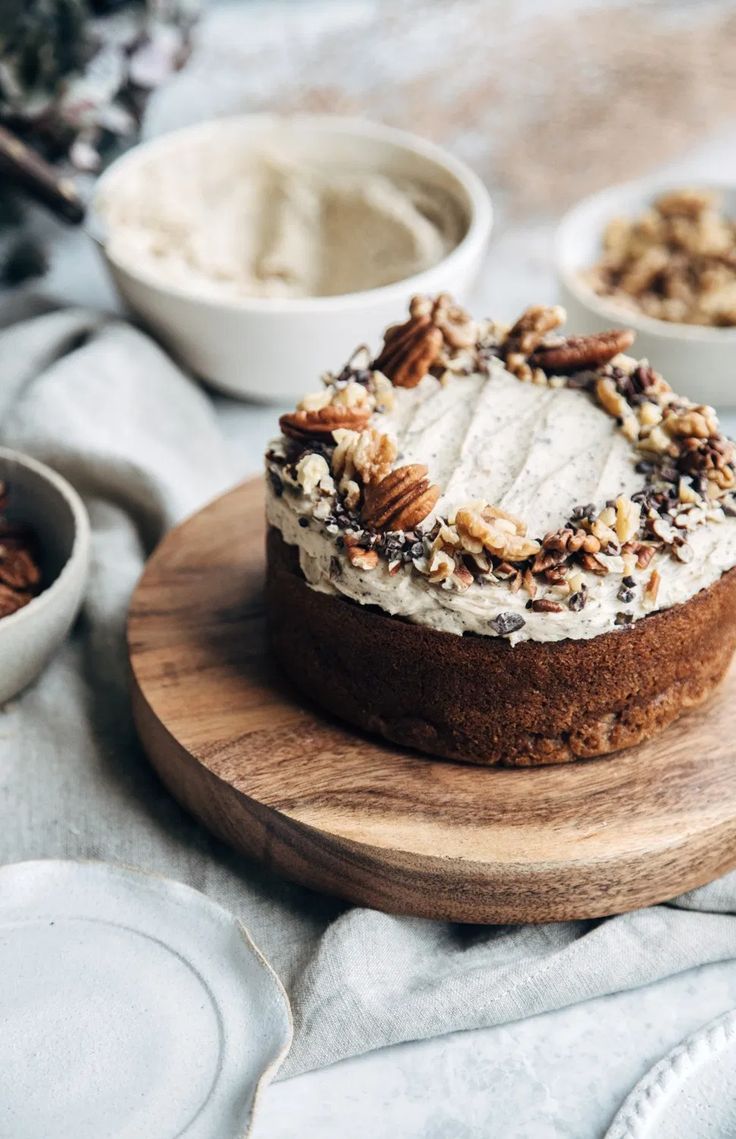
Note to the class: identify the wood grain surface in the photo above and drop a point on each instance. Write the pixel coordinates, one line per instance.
(384, 827)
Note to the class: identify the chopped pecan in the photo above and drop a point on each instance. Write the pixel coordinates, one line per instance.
(545, 605)
(362, 559)
(592, 565)
(644, 554)
(610, 397)
(576, 353)
(651, 588)
(558, 539)
(530, 584)
(320, 423)
(698, 456)
(548, 559)
(401, 500)
(570, 540)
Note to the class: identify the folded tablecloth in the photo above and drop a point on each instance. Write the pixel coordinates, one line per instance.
(102, 403)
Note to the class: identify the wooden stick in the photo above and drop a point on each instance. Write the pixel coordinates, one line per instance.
(24, 167)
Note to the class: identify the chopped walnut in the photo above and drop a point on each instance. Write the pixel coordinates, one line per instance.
(493, 530)
(383, 392)
(313, 473)
(315, 401)
(367, 454)
(699, 422)
(354, 396)
(675, 262)
(441, 566)
(610, 397)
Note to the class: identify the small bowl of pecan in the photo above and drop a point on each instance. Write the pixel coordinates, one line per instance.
(661, 260)
(44, 554)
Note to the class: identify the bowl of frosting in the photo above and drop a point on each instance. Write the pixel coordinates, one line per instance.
(260, 248)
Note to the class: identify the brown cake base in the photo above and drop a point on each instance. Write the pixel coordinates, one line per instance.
(479, 699)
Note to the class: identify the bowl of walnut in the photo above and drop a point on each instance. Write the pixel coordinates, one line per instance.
(44, 555)
(660, 259)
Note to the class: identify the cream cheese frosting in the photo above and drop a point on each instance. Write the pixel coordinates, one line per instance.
(535, 451)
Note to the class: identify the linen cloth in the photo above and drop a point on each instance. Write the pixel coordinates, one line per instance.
(102, 403)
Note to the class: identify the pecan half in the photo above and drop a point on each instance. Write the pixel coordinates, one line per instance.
(401, 500)
(411, 349)
(18, 570)
(320, 423)
(576, 353)
(11, 600)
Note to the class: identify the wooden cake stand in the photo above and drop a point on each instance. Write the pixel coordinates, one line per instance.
(380, 826)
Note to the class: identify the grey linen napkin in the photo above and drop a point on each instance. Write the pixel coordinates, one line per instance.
(103, 404)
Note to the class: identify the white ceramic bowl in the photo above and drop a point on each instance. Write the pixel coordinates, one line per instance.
(275, 349)
(46, 502)
(698, 362)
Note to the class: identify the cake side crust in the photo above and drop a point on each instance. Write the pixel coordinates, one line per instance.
(480, 700)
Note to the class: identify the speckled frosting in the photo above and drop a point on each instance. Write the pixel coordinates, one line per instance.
(571, 491)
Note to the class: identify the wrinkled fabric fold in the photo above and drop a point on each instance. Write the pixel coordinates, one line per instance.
(145, 446)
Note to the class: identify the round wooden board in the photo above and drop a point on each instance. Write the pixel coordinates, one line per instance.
(384, 827)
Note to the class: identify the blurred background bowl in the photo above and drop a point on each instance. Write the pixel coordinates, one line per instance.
(44, 501)
(272, 349)
(698, 361)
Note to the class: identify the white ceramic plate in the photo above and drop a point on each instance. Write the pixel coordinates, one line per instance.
(131, 1007)
(690, 1094)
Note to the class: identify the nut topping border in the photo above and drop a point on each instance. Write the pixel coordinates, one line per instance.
(333, 450)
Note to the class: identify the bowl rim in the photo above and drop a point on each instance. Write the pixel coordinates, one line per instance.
(79, 553)
(479, 203)
(644, 189)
